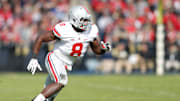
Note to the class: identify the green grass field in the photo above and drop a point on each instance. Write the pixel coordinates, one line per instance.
(24, 86)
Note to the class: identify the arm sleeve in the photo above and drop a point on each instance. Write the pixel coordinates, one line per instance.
(56, 31)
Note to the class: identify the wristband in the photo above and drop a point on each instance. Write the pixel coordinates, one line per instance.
(34, 56)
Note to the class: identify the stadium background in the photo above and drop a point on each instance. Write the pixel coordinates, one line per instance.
(130, 26)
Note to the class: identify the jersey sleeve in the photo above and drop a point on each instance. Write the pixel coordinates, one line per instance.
(95, 32)
(56, 31)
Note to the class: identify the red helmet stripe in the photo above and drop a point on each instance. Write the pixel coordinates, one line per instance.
(86, 10)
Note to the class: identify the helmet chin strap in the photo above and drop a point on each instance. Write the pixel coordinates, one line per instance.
(84, 26)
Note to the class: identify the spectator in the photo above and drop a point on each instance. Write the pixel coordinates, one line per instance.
(121, 54)
(146, 58)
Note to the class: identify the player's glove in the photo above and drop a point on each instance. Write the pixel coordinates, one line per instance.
(105, 46)
(33, 65)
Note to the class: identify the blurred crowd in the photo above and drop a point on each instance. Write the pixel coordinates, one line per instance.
(21, 21)
(129, 25)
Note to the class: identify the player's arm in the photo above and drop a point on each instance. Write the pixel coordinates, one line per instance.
(33, 64)
(40, 39)
(99, 48)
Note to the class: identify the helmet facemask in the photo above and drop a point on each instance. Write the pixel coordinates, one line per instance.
(84, 23)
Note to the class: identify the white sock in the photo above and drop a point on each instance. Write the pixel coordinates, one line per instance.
(40, 97)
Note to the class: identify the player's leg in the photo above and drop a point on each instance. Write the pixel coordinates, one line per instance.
(48, 82)
(52, 89)
(58, 74)
(49, 91)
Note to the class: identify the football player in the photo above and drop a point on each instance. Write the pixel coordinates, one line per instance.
(72, 40)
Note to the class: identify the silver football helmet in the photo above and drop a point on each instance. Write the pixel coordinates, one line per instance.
(80, 17)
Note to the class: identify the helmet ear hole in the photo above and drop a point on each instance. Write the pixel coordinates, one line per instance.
(74, 20)
(81, 19)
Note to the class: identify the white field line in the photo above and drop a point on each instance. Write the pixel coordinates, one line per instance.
(131, 89)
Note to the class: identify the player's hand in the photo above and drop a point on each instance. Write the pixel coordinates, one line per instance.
(33, 65)
(106, 46)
